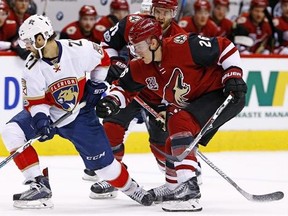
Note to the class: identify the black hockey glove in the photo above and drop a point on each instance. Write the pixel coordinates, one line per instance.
(93, 93)
(42, 125)
(237, 87)
(118, 65)
(108, 106)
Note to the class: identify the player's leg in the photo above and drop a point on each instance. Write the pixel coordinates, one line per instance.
(91, 142)
(115, 128)
(15, 133)
(183, 191)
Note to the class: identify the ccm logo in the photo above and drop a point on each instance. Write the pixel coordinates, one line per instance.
(96, 157)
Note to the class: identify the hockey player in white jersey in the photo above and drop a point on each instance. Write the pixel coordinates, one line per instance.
(54, 82)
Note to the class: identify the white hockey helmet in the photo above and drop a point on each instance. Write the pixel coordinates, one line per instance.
(146, 6)
(33, 25)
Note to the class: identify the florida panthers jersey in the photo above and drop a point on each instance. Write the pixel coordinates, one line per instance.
(56, 86)
(191, 66)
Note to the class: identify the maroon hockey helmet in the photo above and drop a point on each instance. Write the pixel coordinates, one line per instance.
(202, 4)
(87, 10)
(169, 4)
(284, 1)
(119, 5)
(145, 29)
(259, 3)
(221, 2)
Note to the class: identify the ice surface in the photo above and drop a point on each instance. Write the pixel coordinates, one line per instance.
(255, 172)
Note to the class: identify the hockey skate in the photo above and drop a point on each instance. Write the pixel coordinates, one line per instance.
(90, 175)
(38, 196)
(102, 190)
(138, 194)
(184, 198)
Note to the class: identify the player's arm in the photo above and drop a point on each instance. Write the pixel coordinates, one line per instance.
(208, 51)
(120, 95)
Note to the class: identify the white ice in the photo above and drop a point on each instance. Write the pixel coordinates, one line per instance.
(255, 172)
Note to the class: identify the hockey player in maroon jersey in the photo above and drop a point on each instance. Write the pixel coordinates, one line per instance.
(200, 22)
(84, 27)
(116, 126)
(194, 75)
(8, 28)
(281, 25)
(19, 11)
(255, 27)
(219, 12)
(118, 10)
(54, 83)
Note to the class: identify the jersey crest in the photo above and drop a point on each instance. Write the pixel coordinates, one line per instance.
(180, 39)
(65, 92)
(175, 90)
(152, 83)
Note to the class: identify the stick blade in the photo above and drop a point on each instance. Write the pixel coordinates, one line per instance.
(267, 197)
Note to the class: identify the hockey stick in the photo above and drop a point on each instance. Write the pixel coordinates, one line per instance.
(251, 197)
(278, 195)
(29, 142)
(205, 128)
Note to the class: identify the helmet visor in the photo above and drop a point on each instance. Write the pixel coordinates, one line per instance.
(138, 49)
(25, 43)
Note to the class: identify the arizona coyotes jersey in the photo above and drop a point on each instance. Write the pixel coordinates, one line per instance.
(117, 38)
(209, 30)
(281, 24)
(191, 66)
(105, 23)
(73, 31)
(8, 30)
(56, 88)
(225, 28)
(19, 21)
(260, 34)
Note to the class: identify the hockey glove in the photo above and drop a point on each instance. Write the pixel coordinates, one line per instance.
(118, 65)
(161, 122)
(93, 93)
(108, 106)
(42, 125)
(237, 87)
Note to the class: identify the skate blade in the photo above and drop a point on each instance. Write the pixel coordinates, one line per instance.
(44, 203)
(191, 205)
(109, 195)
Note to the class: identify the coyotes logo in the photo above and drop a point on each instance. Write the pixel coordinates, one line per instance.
(175, 90)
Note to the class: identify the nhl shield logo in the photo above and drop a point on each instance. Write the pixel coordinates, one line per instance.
(152, 83)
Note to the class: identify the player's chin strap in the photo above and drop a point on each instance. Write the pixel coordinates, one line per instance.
(278, 195)
(29, 142)
(153, 51)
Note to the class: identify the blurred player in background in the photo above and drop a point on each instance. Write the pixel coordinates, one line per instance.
(253, 32)
(118, 10)
(84, 27)
(219, 13)
(281, 25)
(8, 28)
(200, 23)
